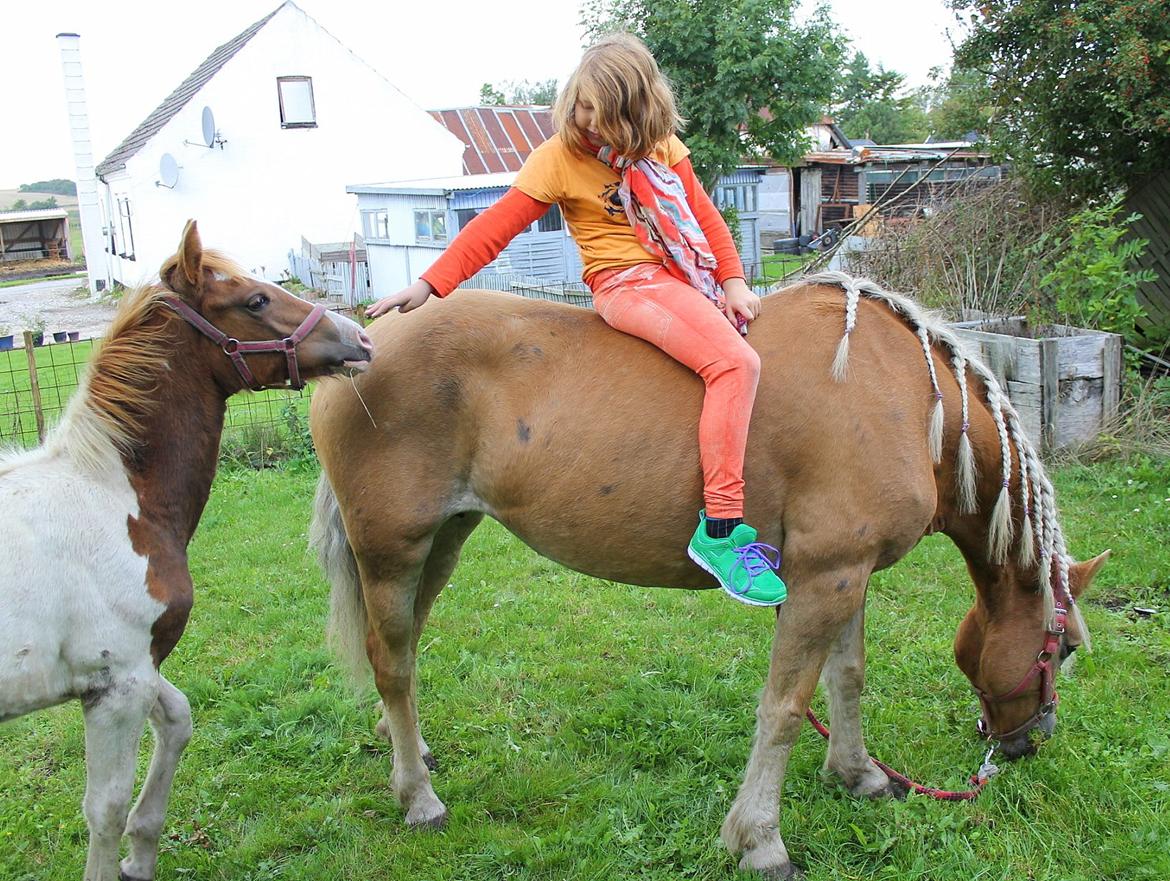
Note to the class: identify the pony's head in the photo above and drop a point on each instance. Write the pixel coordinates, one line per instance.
(266, 334)
(1012, 643)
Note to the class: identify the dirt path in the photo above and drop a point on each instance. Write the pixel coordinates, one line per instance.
(62, 305)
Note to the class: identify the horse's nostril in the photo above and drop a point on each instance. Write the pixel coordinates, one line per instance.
(365, 341)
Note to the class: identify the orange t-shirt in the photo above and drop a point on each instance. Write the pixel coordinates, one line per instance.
(586, 190)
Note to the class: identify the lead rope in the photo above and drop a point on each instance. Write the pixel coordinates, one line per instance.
(978, 780)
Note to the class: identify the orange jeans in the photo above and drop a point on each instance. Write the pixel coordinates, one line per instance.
(648, 302)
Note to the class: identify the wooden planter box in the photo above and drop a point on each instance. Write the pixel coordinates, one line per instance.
(1065, 382)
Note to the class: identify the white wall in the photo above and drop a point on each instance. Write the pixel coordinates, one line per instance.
(774, 200)
(269, 186)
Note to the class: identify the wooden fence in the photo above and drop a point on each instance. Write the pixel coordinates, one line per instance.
(1152, 200)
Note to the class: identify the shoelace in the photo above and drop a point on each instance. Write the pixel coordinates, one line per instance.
(755, 558)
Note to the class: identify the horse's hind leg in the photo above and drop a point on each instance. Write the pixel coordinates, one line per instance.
(170, 717)
(806, 626)
(844, 679)
(113, 727)
(437, 570)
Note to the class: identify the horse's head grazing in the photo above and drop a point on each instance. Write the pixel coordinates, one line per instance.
(304, 342)
(1005, 648)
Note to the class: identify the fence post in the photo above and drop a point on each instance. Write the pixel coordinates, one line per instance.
(34, 385)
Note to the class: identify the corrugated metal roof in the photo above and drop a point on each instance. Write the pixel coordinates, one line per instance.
(178, 99)
(30, 216)
(498, 139)
(438, 185)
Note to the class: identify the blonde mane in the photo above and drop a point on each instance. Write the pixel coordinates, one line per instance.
(1040, 528)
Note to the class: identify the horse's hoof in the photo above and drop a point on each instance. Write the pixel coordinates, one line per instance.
(122, 876)
(430, 761)
(786, 872)
(436, 822)
(427, 814)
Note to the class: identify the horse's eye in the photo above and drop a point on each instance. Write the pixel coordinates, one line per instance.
(258, 302)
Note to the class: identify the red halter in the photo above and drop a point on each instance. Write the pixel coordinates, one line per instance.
(1043, 666)
(236, 350)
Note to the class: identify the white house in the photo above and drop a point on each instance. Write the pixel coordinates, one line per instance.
(296, 116)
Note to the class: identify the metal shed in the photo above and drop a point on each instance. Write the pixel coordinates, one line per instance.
(34, 235)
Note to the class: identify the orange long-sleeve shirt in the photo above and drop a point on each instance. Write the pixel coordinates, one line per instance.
(482, 240)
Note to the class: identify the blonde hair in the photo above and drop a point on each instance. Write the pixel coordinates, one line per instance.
(632, 100)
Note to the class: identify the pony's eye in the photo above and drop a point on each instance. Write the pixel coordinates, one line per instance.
(258, 302)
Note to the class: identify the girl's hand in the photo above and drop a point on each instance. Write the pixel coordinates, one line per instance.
(408, 298)
(741, 306)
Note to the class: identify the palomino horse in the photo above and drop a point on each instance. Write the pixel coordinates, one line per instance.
(95, 523)
(542, 417)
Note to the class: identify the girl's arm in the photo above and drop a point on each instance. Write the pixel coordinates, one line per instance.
(476, 245)
(712, 223)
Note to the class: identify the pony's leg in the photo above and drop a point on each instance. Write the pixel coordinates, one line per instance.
(437, 570)
(170, 718)
(806, 626)
(844, 679)
(113, 727)
(390, 586)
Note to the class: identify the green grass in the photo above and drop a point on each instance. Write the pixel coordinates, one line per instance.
(588, 730)
(775, 267)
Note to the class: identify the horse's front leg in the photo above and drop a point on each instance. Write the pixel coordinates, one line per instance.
(171, 720)
(844, 679)
(817, 609)
(114, 721)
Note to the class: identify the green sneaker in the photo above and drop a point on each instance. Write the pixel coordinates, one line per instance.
(744, 568)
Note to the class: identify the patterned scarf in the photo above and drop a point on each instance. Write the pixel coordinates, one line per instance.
(656, 205)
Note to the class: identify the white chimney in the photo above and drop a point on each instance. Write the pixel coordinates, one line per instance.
(97, 264)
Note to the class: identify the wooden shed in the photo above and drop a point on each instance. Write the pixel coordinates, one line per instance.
(34, 235)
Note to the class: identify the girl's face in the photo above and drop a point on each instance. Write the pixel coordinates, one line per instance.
(585, 116)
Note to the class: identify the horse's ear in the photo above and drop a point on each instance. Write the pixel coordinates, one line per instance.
(183, 273)
(1081, 575)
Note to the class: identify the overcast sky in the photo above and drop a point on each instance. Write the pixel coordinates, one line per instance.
(438, 52)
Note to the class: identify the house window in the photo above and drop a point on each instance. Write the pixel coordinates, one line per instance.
(376, 224)
(430, 226)
(126, 225)
(297, 109)
(464, 216)
(742, 196)
(551, 221)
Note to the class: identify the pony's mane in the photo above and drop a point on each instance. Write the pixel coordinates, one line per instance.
(1041, 528)
(119, 388)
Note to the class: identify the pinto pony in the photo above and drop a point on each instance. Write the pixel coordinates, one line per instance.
(95, 590)
(871, 429)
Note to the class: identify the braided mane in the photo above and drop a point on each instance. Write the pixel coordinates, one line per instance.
(1041, 528)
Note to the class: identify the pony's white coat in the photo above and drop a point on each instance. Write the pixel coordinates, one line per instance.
(77, 625)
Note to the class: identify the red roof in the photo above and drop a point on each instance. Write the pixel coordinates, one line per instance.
(497, 138)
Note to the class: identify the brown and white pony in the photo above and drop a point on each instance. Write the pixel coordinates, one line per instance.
(542, 417)
(95, 590)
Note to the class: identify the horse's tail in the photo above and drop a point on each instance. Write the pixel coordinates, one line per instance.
(348, 623)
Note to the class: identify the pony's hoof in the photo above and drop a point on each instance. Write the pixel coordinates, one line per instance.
(122, 876)
(427, 815)
(770, 861)
(783, 872)
(430, 761)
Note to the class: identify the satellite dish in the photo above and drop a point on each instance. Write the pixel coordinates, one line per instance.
(168, 172)
(208, 127)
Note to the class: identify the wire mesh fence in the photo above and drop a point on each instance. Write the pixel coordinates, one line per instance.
(37, 381)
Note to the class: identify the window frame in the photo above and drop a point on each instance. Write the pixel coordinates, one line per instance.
(280, 81)
(431, 238)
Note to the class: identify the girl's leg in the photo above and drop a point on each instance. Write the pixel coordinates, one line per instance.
(648, 302)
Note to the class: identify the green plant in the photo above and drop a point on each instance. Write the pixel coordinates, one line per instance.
(299, 443)
(1092, 282)
(731, 218)
(33, 323)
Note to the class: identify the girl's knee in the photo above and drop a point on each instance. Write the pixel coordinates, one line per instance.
(745, 360)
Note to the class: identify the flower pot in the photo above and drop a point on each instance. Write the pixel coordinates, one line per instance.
(38, 339)
(74, 335)
(59, 336)
(5, 343)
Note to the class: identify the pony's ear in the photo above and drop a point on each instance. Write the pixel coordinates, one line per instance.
(183, 273)
(1081, 575)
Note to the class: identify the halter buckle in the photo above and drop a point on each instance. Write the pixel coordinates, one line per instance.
(230, 346)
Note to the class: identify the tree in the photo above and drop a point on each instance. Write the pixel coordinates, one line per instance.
(957, 105)
(58, 185)
(490, 97)
(1081, 89)
(19, 205)
(747, 76)
(868, 105)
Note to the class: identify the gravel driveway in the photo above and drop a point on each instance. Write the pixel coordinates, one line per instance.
(63, 304)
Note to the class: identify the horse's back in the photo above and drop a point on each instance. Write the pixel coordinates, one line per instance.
(562, 428)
